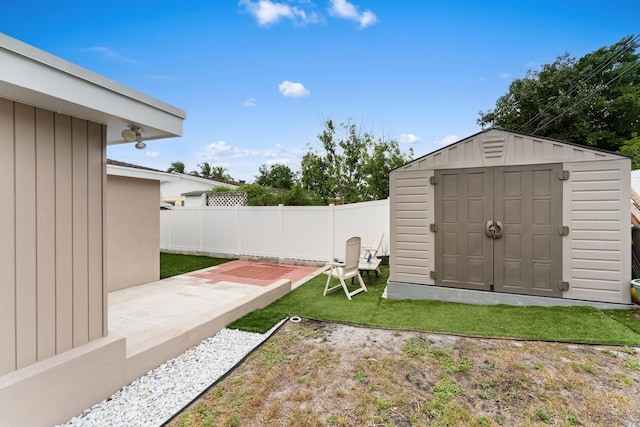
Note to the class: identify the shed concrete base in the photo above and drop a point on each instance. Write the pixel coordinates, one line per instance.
(400, 290)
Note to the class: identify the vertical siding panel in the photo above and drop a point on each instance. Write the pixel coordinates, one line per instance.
(105, 282)
(95, 223)
(7, 242)
(25, 222)
(64, 227)
(393, 224)
(46, 243)
(80, 247)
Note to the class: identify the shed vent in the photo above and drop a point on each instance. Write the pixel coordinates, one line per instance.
(493, 147)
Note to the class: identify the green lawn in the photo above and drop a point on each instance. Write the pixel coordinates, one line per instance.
(174, 264)
(573, 324)
(577, 324)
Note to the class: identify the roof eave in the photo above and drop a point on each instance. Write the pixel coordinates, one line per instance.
(34, 77)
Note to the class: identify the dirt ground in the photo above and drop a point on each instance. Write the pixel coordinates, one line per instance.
(326, 374)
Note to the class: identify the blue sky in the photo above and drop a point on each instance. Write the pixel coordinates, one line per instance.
(258, 79)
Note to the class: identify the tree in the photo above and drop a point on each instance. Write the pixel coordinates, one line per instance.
(258, 195)
(631, 148)
(177, 167)
(276, 176)
(593, 100)
(212, 172)
(220, 173)
(386, 155)
(352, 167)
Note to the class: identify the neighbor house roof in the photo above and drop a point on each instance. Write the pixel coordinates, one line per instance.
(115, 167)
(31, 76)
(195, 193)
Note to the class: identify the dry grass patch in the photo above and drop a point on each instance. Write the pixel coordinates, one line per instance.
(324, 374)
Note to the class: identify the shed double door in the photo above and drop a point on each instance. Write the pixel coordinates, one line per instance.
(497, 228)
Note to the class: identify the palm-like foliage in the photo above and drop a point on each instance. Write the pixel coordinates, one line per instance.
(213, 172)
(176, 166)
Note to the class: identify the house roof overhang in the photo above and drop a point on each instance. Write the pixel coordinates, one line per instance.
(34, 77)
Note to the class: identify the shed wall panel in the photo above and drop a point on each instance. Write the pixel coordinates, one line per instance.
(598, 244)
(411, 213)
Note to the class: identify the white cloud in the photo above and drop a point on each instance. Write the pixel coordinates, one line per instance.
(109, 53)
(278, 162)
(251, 102)
(505, 75)
(293, 90)
(346, 10)
(151, 154)
(221, 150)
(267, 12)
(216, 150)
(481, 78)
(157, 77)
(408, 138)
(447, 140)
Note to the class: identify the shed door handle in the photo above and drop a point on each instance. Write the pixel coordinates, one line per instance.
(490, 229)
(494, 229)
(499, 230)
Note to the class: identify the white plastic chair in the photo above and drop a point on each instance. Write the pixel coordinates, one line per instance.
(346, 270)
(372, 251)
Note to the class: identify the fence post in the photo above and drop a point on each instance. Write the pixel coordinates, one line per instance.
(200, 228)
(281, 232)
(238, 229)
(332, 231)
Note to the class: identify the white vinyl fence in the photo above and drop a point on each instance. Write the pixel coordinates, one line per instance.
(309, 233)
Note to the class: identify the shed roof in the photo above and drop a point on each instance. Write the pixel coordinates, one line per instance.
(499, 147)
(34, 77)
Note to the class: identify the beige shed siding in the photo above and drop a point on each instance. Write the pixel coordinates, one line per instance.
(600, 236)
(411, 214)
(48, 225)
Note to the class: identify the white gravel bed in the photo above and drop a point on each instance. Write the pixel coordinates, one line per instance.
(154, 398)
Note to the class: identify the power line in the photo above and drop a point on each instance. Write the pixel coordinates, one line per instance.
(622, 50)
(599, 89)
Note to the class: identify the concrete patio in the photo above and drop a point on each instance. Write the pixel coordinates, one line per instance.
(160, 320)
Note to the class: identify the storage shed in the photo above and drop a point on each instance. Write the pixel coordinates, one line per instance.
(505, 217)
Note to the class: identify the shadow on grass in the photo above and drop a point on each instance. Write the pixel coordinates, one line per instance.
(174, 264)
(569, 324)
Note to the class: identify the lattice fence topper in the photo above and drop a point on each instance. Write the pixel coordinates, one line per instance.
(232, 198)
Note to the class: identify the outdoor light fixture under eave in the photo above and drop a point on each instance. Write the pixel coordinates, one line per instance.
(132, 133)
